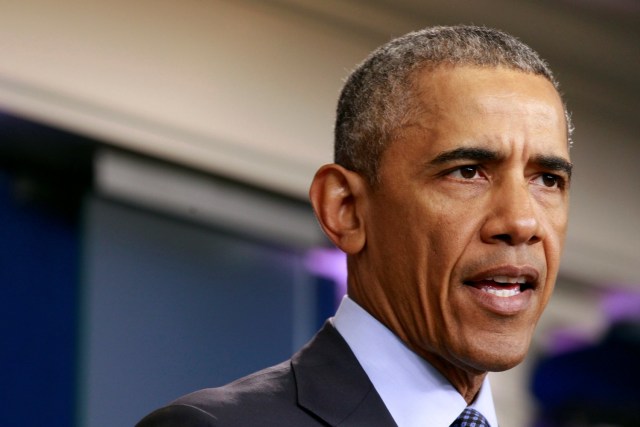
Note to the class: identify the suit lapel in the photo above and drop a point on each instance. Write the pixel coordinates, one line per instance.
(332, 384)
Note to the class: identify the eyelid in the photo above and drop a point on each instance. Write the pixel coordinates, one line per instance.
(478, 171)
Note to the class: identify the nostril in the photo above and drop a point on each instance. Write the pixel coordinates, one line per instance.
(503, 238)
(509, 239)
(534, 239)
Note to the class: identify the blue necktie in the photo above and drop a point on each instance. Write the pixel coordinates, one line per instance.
(470, 418)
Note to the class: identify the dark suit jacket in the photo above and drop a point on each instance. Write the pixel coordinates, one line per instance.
(322, 385)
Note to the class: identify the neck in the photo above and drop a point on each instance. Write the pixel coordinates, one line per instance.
(467, 383)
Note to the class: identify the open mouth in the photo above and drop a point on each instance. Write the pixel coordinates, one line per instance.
(502, 286)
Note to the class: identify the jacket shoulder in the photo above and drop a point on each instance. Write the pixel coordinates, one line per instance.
(178, 415)
(265, 398)
(323, 384)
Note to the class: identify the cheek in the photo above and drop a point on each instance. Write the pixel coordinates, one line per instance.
(450, 232)
(448, 239)
(556, 229)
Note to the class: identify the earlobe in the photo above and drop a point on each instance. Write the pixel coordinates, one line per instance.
(338, 197)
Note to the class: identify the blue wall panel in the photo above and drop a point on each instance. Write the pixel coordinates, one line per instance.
(170, 307)
(38, 284)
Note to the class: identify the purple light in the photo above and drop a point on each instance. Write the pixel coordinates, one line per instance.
(616, 304)
(563, 340)
(330, 264)
(621, 304)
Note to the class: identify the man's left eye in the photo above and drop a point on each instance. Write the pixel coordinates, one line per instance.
(549, 180)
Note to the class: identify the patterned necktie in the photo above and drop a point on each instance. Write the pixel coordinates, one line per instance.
(470, 418)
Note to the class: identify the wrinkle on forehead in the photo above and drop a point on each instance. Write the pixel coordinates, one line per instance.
(435, 88)
(541, 113)
(480, 93)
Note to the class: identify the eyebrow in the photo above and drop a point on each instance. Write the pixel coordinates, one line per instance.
(555, 163)
(465, 153)
(550, 162)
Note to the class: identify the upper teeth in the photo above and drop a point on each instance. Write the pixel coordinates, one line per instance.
(507, 279)
(502, 292)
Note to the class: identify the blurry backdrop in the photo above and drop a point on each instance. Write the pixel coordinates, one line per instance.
(154, 163)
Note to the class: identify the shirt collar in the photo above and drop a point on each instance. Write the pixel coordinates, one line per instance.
(415, 393)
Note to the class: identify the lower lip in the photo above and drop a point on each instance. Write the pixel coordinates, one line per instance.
(505, 306)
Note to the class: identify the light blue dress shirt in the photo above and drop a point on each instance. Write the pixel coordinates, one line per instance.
(414, 392)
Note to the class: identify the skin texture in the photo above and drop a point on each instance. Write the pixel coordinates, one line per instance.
(476, 187)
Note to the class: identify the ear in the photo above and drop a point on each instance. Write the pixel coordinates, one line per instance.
(338, 197)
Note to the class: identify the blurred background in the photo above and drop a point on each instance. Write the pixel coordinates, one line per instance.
(155, 235)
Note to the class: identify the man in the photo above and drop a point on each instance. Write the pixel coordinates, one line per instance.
(449, 196)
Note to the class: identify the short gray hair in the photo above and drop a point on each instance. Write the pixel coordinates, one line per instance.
(379, 96)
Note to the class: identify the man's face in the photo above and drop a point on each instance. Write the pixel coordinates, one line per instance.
(465, 231)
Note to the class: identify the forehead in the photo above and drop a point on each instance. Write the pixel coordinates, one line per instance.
(489, 106)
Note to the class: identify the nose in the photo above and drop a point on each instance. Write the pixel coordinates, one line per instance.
(512, 216)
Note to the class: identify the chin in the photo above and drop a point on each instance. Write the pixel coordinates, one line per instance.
(496, 358)
(504, 365)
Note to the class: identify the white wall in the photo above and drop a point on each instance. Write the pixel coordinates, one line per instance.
(237, 88)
